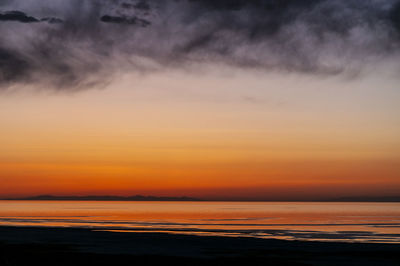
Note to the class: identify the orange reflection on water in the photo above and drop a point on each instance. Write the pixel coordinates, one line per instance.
(351, 222)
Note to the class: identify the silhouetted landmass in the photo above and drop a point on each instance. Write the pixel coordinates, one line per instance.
(106, 198)
(325, 199)
(368, 199)
(184, 198)
(79, 246)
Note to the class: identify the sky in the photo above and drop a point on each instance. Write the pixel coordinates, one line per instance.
(267, 100)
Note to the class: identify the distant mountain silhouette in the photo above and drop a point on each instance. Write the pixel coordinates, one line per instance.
(368, 199)
(107, 198)
(155, 198)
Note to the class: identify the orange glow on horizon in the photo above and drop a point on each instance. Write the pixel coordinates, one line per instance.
(173, 137)
(270, 179)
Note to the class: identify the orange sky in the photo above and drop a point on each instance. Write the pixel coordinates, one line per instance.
(216, 136)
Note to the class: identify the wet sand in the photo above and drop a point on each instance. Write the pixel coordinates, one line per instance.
(76, 246)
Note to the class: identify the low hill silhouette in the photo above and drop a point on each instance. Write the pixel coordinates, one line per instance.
(107, 198)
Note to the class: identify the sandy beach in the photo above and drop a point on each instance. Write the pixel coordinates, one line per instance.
(76, 246)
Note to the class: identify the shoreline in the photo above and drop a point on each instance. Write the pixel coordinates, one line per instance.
(74, 246)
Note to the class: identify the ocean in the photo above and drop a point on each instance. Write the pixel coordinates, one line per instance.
(307, 221)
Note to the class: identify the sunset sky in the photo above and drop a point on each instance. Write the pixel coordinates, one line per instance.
(80, 116)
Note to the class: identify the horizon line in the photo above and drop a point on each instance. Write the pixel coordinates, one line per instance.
(395, 198)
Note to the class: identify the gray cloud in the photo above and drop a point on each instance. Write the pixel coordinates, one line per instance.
(84, 42)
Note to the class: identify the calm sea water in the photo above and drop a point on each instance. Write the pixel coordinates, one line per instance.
(349, 222)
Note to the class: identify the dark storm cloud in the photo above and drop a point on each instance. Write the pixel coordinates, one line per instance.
(125, 20)
(17, 16)
(85, 42)
(12, 66)
(52, 20)
(395, 15)
(139, 5)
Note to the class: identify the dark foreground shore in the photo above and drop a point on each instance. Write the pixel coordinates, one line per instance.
(68, 246)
